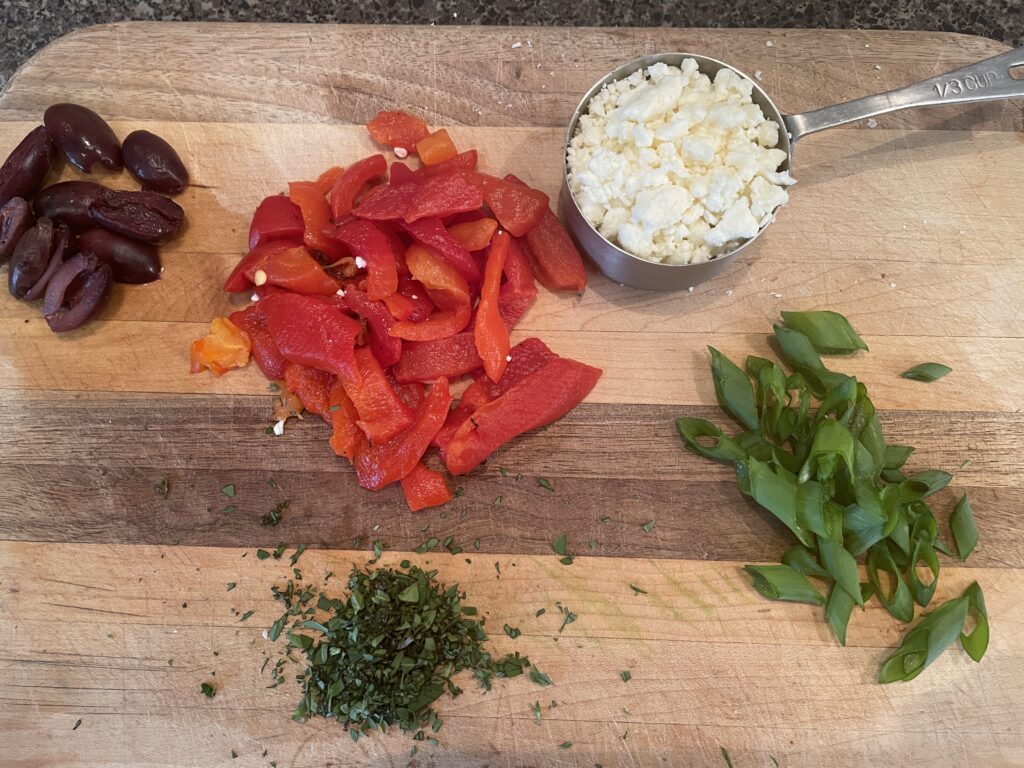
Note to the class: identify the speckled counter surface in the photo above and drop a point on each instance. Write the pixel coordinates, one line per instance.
(27, 25)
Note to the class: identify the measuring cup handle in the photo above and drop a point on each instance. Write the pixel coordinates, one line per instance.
(984, 81)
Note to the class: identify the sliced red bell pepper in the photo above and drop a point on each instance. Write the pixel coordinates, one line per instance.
(241, 276)
(424, 488)
(439, 325)
(386, 348)
(264, 351)
(382, 415)
(398, 129)
(519, 290)
(559, 263)
(473, 235)
(367, 242)
(436, 148)
(326, 180)
(276, 218)
(431, 232)
(518, 208)
(351, 182)
(539, 399)
(381, 465)
(403, 174)
(283, 264)
(441, 196)
(386, 202)
(528, 357)
(316, 216)
(426, 360)
(346, 435)
(464, 161)
(489, 330)
(392, 230)
(312, 332)
(409, 392)
(474, 396)
(512, 306)
(422, 304)
(401, 307)
(312, 386)
(445, 286)
(226, 346)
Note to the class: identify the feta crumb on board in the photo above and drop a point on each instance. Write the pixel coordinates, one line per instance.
(675, 167)
(872, 123)
(279, 427)
(516, 45)
(401, 153)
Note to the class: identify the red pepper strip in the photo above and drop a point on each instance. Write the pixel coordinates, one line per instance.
(442, 196)
(431, 232)
(352, 181)
(426, 360)
(316, 215)
(439, 325)
(398, 245)
(474, 396)
(518, 208)
(276, 218)
(264, 351)
(292, 268)
(559, 263)
(312, 332)
(424, 488)
(403, 174)
(347, 435)
(519, 290)
(382, 415)
(539, 399)
(326, 180)
(528, 357)
(473, 235)
(512, 306)
(380, 465)
(240, 278)
(490, 331)
(386, 202)
(445, 286)
(386, 348)
(409, 392)
(398, 129)
(312, 386)
(422, 304)
(401, 307)
(464, 161)
(372, 246)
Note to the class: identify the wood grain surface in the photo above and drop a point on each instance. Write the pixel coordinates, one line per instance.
(915, 235)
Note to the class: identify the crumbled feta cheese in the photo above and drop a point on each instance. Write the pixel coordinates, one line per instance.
(401, 153)
(892, 285)
(414, 297)
(508, 358)
(675, 167)
(360, 262)
(872, 123)
(769, 44)
(776, 295)
(516, 45)
(878, 66)
(728, 291)
(757, 74)
(254, 297)
(690, 289)
(279, 428)
(340, 292)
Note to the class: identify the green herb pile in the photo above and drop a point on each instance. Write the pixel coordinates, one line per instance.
(383, 656)
(830, 477)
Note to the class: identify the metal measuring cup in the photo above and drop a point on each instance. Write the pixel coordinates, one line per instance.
(984, 81)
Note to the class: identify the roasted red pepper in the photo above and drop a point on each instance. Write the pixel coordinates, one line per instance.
(326, 180)
(226, 346)
(473, 235)
(409, 392)
(346, 435)
(439, 325)
(424, 488)
(386, 348)
(381, 465)
(351, 182)
(386, 202)
(431, 232)
(422, 304)
(519, 290)
(474, 396)
(427, 360)
(316, 216)
(312, 332)
(517, 207)
(446, 288)
(276, 218)
(441, 196)
(436, 148)
(398, 129)
(539, 399)
(264, 351)
(382, 415)
(490, 331)
(403, 174)
(464, 161)
(283, 264)
(371, 245)
(559, 264)
(528, 357)
(312, 386)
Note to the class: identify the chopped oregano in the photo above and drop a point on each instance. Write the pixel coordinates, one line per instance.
(228, 490)
(273, 517)
(512, 632)
(231, 585)
(638, 590)
(163, 487)
(78, 722)
(649, 525)
(543, 482)
(208, 690)
(626, 675)
(538, 677)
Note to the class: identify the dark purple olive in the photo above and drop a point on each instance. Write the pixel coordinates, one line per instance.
(83, 136)
(154, 163)
(61, 246)
(76, 291)
(31, 257)
(25, 169)
(15, 219)
(130, 261)
(68, 202)
(144, 216)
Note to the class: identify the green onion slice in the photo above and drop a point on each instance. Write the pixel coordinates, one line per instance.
(965, 533)
(927, 372)
(780, 582)
(829, 332)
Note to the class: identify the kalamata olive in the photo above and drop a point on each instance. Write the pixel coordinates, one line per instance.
(130, 261)
(143, 216)
(76, 291)
(15, 219)
(69, 202)
(61, 246)
(83, 136)
(25, 169)
(154, 163)
(31, 257)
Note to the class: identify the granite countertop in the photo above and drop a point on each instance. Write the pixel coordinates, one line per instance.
(27, 25)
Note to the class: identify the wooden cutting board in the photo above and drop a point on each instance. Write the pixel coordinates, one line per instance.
(113, 600)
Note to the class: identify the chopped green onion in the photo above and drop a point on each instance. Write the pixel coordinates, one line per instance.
(976, 641)
(829, 332)
(780, 582)
(926, 641)
(734, 390)
(927, 372)
(965, 532)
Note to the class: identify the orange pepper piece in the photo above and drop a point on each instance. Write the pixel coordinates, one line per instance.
(490, 331)
(474, 235)
(316, 216)
(436, 148)
(226, 346)
(445, 286)
(423, 487)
